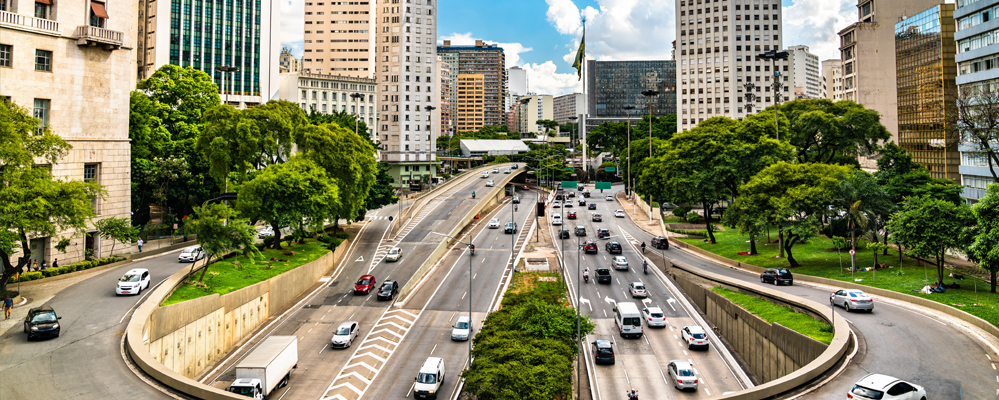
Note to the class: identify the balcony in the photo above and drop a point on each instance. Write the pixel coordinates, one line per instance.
(28, 23)
(87, 35)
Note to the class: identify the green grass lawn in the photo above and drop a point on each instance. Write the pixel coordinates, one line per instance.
(818, 257)
(777, 314)
(239, 272)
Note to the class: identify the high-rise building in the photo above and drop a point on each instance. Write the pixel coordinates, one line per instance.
(867, 49)
(470, 110)
(517, 85)
(487, 60)
(72, 65)
(324, 93)
(567, 106)
(613, 85)
(209, 36)
(407, 84)
(445, 90)
(288, 62)
(832, 79)
(720, 71)
(805, 72)
(339, 38)
(926, 72)
(531, 109)
(977, 62)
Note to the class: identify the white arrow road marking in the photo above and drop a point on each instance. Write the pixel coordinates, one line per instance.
(611, 301)
(587, 302)
(670, 303)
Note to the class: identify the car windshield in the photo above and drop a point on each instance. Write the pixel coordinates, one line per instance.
(386, 287)
(130, 278)
(684, 372)
(362, 281)
(697, 335)
(343, 330)
(871, 393)
(394, 251)
(656, 314)
(426, 378)
(605, 351)
(461, 325)
(242, 390)
(44, 317)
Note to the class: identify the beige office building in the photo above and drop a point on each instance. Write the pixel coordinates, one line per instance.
(327, 94)
(72, 65)
(832, 79)
(531, 109)
(288, 62)
(339, 38)
(470, 107)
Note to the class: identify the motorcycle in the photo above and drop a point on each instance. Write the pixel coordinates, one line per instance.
(633, 395)
(473, 195)
(586, 277)
(645, 267)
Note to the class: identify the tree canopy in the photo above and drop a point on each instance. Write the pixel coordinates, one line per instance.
(833, 133)
(929, 227)
(984, 247)
(220, 231)
(347, 158)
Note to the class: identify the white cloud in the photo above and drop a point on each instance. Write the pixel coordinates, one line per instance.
(816, 23)
(290, 31)
(564, 16)
(544, 80)
(511, 51)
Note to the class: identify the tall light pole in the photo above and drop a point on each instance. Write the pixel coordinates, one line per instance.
(469, 246)
(430, 152)
(773, 56)
(648, 97)
(356, 96)
(224, 69)
(576, 145)
(627, 187)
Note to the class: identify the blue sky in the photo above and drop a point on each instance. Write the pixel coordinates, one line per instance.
(542, 35)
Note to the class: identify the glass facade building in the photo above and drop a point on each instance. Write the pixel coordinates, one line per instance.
(612, 85)
(925, 76)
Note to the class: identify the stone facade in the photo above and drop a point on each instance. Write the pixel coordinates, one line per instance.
(83, 94)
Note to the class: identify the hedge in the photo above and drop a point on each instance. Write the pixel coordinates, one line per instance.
(80, 266)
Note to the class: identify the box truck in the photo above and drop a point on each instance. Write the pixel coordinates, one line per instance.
(268, 367)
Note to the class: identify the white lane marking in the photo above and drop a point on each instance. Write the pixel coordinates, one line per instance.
(474, 275)
(664, 377)
(626, 377)
(483, 260)
(324, 348)
(669, 302)
(136, 305)
(359, 259)
(285, 392)
(432, 350)
(463, 295)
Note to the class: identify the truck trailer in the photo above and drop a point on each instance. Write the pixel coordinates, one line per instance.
(267, 368)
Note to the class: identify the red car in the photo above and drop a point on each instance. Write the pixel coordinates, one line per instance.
(570, 215)
(590, 247)
(364, 285)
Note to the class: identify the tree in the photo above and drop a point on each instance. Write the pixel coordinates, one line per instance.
(834, 133)
(902, 177)
(298, 192)
(794, 196)
(220, 232)
(229, 142)
(861, 201)
(341, 118)
(663, 127)
(977, 119)
(984, 248)
(347, 158)
(930, 227)
(549, 125)
(276, 120)
(32, 203)
(608, 136)
(383, 192)
(117, 230)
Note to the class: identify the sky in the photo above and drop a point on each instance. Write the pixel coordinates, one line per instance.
(542, 36)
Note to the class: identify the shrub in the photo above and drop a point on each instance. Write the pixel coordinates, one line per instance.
(325, 238)
(342, 235)
(336, 242)
(30, 276)
(46, 272)
(681, 212)
(692, 217)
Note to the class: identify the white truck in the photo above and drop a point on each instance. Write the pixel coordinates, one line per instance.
(266, 368)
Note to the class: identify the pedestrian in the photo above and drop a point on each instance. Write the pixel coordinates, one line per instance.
(140, 244)
(55, 263)
(35, 265)
(8, 304)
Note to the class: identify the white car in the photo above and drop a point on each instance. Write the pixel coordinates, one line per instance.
(609, 198)
(506, 171)
(654, 316)
(494, 223)
(495, 170)
(462, 329)
(191, 254)
(266, 232)
(345, 334)
(884, 387)
(637, 289)
(394, 254)
(556, 219)
(133, 282)
(490, 183)
(694, 336)
(620, 262)
(557, 204)
(485, 175)
(619, 214)
(682, 374)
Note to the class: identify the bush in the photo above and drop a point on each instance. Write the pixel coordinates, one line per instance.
(336, 242)
(692, 217)
(30, 276)
(342, 235)
(325, 238)
(681, 212)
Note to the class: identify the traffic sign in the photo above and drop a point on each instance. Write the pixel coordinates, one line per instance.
(602, 185)
(610, 169)
(568, 184)
(852, 252)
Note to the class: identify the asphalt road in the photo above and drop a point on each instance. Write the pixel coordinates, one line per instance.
(895, 340)
(85, 361)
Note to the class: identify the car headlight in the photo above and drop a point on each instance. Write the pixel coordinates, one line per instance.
(56, 326)
(34, 328)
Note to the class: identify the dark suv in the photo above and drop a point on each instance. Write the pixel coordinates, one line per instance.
(511, 227)
(603, 233)
(580, 230)
(777, 276)
(388, 290)
(564, 234)
(603, 352)
(613, 247)
(41, 322)
(590, 247)
(603, 275)
(660, 242)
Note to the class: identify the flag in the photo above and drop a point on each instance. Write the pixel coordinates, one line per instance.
(580, 56)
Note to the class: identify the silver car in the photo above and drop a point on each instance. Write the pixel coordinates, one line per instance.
(637, 289)
(394, 254)
(191, 254)
(852, 299)
(682, 375)
(345, 335)
(462, 329)
(620, 263)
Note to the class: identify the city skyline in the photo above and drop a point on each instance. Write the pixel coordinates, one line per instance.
(542, 37)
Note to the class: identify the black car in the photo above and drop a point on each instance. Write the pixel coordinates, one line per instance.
(603, 275)
(596, 217)
(41, 322)
(559, 197)
(777, 276)
(591, 206)
(516, 200)
(613, 247)
(564, 234)
(388, 290)
(582, 202)
(603, 233)
(580, 230)
(511, 227)
(603, 352)
(660, 242)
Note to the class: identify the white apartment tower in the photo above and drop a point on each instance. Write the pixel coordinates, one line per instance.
(805, 73)
(832, 78)
(408, 89)
(718, 68)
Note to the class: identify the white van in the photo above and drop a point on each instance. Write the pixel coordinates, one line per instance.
(428, 382)
(629, 320)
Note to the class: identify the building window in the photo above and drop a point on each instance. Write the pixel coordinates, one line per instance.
(43, 8)
(41, 112)
(6, 52)
(91, 174)
(43, 60)
(98, 14)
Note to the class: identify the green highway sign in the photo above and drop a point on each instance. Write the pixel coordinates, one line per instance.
(610, 169)
(570, 169)
(602, 185)
(568, 184)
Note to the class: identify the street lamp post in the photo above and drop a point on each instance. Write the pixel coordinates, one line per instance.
(468, 245)
(224, 69)
(628, 186)
(356, 96)
(648, 96)
(773, 56)
(576, 145)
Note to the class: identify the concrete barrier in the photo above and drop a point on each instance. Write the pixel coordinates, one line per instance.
(174, 343)
(774, 354)
(933, 305)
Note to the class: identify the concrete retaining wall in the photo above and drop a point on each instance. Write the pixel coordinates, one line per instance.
(423, 198)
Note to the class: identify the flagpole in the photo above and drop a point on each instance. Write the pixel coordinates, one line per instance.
(582, 118)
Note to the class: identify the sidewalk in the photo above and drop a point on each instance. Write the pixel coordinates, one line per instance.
(640, 218)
